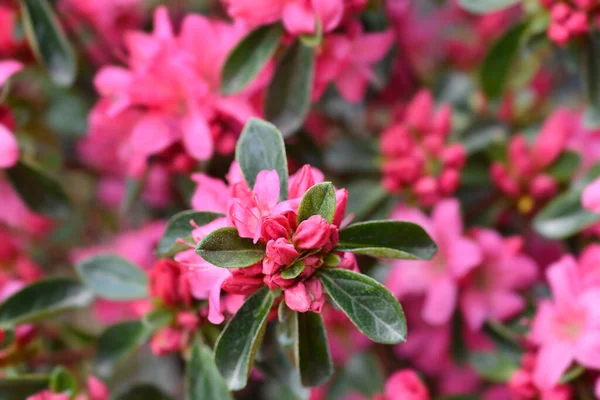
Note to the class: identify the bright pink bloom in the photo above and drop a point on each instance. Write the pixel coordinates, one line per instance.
(48, 395)
(297, 297)
(491, 289)
(167, 340)
(7, 69)
(312, 233)
(437, 278)
(591, 197)
(96, 389)
(9, 149)
(169, 284)
(567, 328)
(405, 385)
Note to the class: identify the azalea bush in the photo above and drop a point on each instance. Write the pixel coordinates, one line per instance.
(299, 199)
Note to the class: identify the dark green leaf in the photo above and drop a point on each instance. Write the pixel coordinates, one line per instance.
(226, 249)
(494, 366)
(179, 227)
(203, 380)
(8, 338)
(368, 304)
(259, 148)
(239, 341)
(293, 271)
(42, 299)
(114, 278)
(158, 318)
(289, 93)
(318, 200)
(249, 57)
(387, 239)
(42, 193)
(133, 190)
(62, 381)
(142, 392)
(499, 61)
(314, 359)
(352, 156)
(565, 166)
(22, 387)
(117, 343)
(364, 197)
(573, 373)
(486, 6)
(48, 41)
(590, 65)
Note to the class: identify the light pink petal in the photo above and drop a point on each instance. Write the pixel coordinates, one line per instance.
(243, 218)
(474, 308)
(197, 139)
(588, 348)
(591, 197)
(110, 81)
(552, 361)
(372, 47)
(352, 84)
(505, 305)
(205, 282)
(407, 277)
(267, 190)
(298, 19)
(329, 12)
(237, 108)
(447, 220)
(564, 280)
(7, 69)
(440, 301)
(211, 194)
(553, 137)
(9, 148)
(162, 24)
(462, 255)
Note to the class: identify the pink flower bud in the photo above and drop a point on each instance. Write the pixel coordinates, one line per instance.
(520, 156)
(418, 112)
(166, 283)
(543, 187)
(297, 297)
(276, 281)
(48, 395)
(433, 144)
(521, 385)
(454, 156)
(584, 4)
(426, 190)
(274, 227)
(242, 284)
(165, 341)
(406, 170)
(312, 233)
(303, 180)
(317, 295)
(188, 320)
(396, 141)
(577, 23)
(341, 202)
(560, 12)
(501, 179)
(96, 389)
(281, 252)
(449, 181)
(442, 121)
(558, 33)
(405, 385)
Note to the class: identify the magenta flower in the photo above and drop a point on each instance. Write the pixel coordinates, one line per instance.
(404, 385)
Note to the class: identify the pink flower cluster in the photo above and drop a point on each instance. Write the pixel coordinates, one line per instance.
(570, 19)
(417, 158)
(95, 388)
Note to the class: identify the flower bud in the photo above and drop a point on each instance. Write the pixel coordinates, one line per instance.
(276, 281)
(312, 233)
(166, 340)
(405, 385)
(317, 295)
(449, 181)
(454, 156)
(418, 112)
(281, 252)
(242, 284)
(442, 121)
(165, 281)
(543, 187)
(274, 227)
(341, 202)
(96, 389)
(297, 297)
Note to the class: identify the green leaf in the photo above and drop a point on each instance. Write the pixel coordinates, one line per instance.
(259, 148)
(22, 387)
(290, 90)
(133, 190)
(158, 318)
(314, 359)
(8, 338)
(142, 392)
(249, 57)
(494, 366)
(203, 380)
(179, 227)
(368, 304)
(48, 41)
(565, 166)
(114, 278)
(293, 271)
(499, 61)
(40, 192)
(62, 381)
(387, 239)
(42, 299)
(318, 200)
(364, 197)
(573, 373)
(362, 373)
(117, 343)
(590, 65)
(239, 341)
(226, 249)
(486, 6)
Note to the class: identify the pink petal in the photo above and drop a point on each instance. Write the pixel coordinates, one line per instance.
(564, 280)
(9, 148)
(162, 24)
(329, 12)
(504, 304)
(373, 47)
(553, 137)
(110, 81)
(591, 197)
(552, 361)
(197, 138)
(267, 190)
(352, 84)
(298, 19)
(473, 307)
(440, 301)
(205, 282)
(462, 255)
(588, 348)
(211, 194)
(7, 69)
(447, 220)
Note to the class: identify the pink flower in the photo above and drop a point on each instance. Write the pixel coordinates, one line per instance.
(48, 395)
(405, 385)
(9, 149)
(297, 297)
(491, 289)
(312, 233)
(96, 389)
(167, 340)
(281, 251)
(591, 197)
(566, 328)
(437, 278)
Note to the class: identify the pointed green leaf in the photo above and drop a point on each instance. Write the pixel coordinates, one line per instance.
(486, 6)
(62, 381)
(203, 380)
(368, 304)
(226, 249)
(239, 341)
(117, 343)
(318, 200)
(158, 318)
(180, 227)
(293, 271)
(48, 41)
(259, 148)
(114, 278)
(387, 239)
(564, 168)
(590, 70)
(142, 392)
(41, 192)
(314, 359)
(22, 387)
(42, 299)
(290, 90)
(249, 57)
(494, 366)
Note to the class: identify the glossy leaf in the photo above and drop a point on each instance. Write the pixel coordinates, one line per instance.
(203, 380)
(239, 341)
(387, 239)
(260, 147)
(293, 271)
(43, 299)
(224, 248)
(19, 388)
(114, 278)
(142, 392)
(494, 366)
(249, 57)
(40, 192)
(62, 381)
(318, 200)
(117, 343)
(368, 304)
(180, 227)
(48, 41)
(499, 61)
(565, 167)
(486, 6)
(364, 197)
(290, 90)
(314, 359)
(590, 71)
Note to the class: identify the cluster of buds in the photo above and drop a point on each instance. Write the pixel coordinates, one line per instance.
(417, 158)
(569, 19)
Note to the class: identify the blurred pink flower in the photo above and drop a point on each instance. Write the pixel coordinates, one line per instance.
(439, 277)
(48, 395)
(405, 385)
(591, 197)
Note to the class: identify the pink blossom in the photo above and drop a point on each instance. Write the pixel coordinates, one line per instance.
(312, 233)
(297, 297)
(14, 212)
(166, 340)
(48, 395)
(439, 277)
(96, 389)
(491, 289)
(591, 197)
(405, 385)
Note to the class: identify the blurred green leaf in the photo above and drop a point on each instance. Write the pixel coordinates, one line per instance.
(363, 198)
(62, 381)
(142, 392)
(351, 156)
(293, 271)
(314, 358)
(590, 65)
(117, 343)
(158, 318)
(494, 366)
(486, 6)
(226, 249)
(180, 227)
(565, 167)
(21, 387)
(203, 380)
